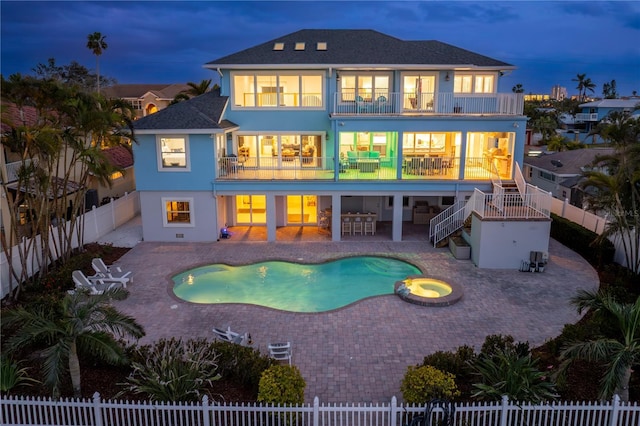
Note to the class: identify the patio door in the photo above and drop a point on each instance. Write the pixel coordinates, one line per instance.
(302, 210)
(419, 92)
(251, 209)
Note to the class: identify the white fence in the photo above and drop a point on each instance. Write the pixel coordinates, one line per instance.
(97, 222)
(24, 411)
(590, 221)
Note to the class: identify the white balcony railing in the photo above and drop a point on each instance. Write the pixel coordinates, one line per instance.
(390, 103)
(13, 169)
(593, 116)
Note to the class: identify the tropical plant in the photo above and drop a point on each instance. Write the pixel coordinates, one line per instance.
(96, 43)
(13, 375)
(80, 323)
(619, 354)
(420, 384)
(59, 153)
(195, 89)
(518, 88)
(546, 125)
(281, 384)
(584, 84)
(174, 370)
(612, 184)
(510, 373)
(609, 90)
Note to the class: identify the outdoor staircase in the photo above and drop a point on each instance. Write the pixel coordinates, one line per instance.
(453, 218)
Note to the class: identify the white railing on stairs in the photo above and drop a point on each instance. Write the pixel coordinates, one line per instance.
(447, 222)
(520, 182)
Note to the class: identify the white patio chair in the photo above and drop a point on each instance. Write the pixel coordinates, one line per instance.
(280, 351)
(232, 337)
(110, 272)
(93, 285)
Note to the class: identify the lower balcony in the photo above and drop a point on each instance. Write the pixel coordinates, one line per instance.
(384, 168)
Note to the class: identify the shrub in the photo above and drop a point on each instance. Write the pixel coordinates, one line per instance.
(508, 373)
(281, 384)
(241, 364)
(173, 370)
(421, 384)
(581, 240)
(497, 343)
(455, 363)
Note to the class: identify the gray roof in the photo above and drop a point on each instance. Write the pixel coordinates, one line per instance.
(612, 103)
(201, 112)
(572, 161)
(355, 47)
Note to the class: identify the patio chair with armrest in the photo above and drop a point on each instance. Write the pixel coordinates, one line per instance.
(232, 337)
(280, 351)
(94, 285)
(113, 273)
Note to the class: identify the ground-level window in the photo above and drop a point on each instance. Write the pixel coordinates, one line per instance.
(177, 212)
(173, 153)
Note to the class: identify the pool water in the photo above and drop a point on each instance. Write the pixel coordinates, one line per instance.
(293, 287)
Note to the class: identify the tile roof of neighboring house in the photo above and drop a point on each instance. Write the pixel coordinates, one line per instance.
(119, 156)
(11, 112)
(355, 47)
(162, 91)
(201, 112)
(612, 103)
(572, 161)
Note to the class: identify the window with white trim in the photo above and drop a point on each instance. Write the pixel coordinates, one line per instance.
(177, 211)
(474, 83)
(278, 90)
(173, 153)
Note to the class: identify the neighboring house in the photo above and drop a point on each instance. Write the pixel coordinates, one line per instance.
(595, 111)
(10, 163)
(561, 172)
(145, 98)
(121, 182)
(319, 127)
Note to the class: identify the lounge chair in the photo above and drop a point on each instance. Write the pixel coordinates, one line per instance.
(280, 351)
(95, 285)
(232, 337)
(112, 273)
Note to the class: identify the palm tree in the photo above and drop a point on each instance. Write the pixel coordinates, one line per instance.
(612, 184)
(518, 88)
(588, 85)
(580, 79)
(79, 323)
(619, 355)
(195, 89)
(96, 43)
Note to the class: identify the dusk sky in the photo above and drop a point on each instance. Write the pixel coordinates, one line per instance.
(169, 42)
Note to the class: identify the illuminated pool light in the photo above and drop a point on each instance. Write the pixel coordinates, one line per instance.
(427, 291)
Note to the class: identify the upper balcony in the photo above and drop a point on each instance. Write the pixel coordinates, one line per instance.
(587, 116)
(394, 103)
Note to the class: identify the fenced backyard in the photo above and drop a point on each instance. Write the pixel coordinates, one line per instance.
(97, 222)
(24, 411)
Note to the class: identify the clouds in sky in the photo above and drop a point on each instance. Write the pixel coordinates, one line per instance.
(166, 42)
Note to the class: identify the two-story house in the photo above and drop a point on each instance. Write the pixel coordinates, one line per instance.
(145, 99)
(334, 128)
(595, 111)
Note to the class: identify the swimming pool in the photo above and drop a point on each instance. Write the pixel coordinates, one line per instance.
(293, 287)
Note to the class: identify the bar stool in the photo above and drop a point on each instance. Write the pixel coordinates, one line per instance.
(369, 225)
(357, 225)
(346, 225)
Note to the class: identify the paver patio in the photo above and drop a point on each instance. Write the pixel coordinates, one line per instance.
(359, 353)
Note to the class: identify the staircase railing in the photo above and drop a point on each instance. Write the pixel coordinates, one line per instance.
(520, 181)
(441, 226)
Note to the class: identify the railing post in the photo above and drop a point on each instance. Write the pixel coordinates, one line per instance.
(316, 411)
(393, 411)
(615, 408)
(504, 411)
(205, 411)
(97, 409)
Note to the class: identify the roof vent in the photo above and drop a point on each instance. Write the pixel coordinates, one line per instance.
(278, 46)
(299, 46)
(557, 163)
(322, 45)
